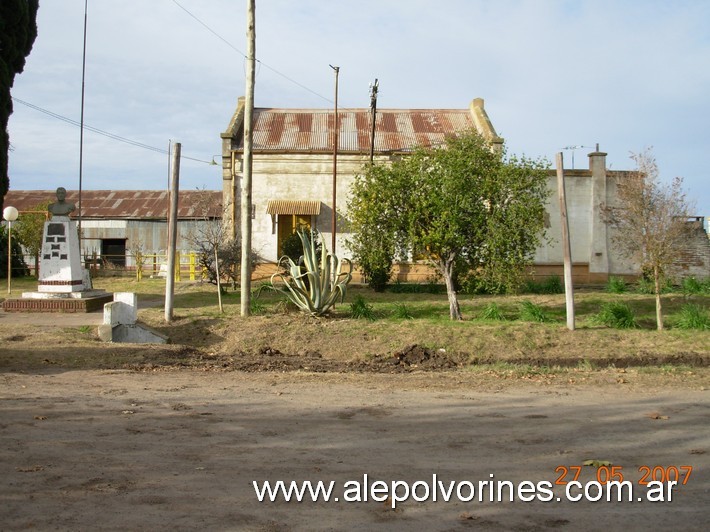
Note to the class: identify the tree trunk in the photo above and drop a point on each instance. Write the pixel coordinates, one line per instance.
(447, 270)
(657, 285)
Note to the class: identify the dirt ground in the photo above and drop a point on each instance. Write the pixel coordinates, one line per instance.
(178, 449)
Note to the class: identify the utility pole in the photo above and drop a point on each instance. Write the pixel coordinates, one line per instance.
(81, 129)
(248, 157)
(172, 234)
(566, 248)
(336, 131)
(373, 108)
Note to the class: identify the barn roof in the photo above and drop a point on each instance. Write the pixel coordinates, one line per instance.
(125, 204)
(396, 130)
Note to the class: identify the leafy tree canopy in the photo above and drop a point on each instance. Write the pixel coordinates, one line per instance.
(460, 204)
(18, 30)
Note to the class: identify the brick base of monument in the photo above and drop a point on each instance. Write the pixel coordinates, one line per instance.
(88, 304)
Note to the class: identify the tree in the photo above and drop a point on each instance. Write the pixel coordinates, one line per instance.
(649, 222)
(373, 245)
(18, 265)
(218, 255)
(18, 30)
(29, 229)
(462, 203)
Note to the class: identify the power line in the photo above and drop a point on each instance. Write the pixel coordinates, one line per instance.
(287, 78)
(102, 132)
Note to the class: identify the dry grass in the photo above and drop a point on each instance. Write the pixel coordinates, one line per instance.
(199, 330)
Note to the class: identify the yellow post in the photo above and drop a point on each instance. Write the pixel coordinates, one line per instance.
(177, 266)
(192, 265)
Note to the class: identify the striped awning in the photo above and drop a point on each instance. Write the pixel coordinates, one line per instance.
(302, 207)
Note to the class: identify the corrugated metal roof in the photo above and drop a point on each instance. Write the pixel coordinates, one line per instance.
(302, 207)
(311, 130)
(125, 204)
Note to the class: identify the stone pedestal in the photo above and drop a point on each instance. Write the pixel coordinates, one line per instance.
(64, 285)
(60, 268)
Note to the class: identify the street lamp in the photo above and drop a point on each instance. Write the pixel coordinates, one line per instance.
(10, 214)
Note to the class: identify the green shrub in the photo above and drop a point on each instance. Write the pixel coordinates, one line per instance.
(360, 309)
(550, 285)
(617, 315)
(646, 286)
(616, 285)
(529, 311)
(430, 287)
(693, 316)
(692, 285)
(492, 312)
(402, 312)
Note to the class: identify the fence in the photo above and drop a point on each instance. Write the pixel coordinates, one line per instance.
(148, 264)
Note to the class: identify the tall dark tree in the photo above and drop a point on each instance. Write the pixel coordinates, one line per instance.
(18, 30)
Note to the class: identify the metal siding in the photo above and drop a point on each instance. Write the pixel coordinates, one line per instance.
(311, 130)
(123, 204)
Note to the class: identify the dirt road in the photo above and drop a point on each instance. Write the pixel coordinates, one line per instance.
(178, 450)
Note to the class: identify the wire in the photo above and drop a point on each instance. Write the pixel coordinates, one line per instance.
(277, 72)
(104, 133)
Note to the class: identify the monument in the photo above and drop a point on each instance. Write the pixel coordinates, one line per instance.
(63, 284)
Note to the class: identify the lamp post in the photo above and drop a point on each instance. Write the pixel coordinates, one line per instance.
(10, 214)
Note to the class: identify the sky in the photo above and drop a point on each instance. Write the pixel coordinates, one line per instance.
(626, 74)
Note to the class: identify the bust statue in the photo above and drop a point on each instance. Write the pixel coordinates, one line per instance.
(61, 207)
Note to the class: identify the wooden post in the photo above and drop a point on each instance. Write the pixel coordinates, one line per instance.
(248, 157)
(566, 248)
(172, 234)
(336, 132)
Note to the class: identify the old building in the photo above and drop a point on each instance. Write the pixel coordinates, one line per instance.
(293, 181)
(115, 223)
(294, 161)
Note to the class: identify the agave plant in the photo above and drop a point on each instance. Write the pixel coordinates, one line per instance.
(313, 284)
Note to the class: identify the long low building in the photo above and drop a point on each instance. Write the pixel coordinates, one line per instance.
(116, 223)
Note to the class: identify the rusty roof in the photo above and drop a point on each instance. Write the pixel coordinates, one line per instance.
(396, 130)
(125, 204)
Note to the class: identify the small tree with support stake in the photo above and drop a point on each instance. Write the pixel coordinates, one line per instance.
(650, 222)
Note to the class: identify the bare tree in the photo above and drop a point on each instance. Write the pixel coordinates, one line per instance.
(218, 255)
(650, 222)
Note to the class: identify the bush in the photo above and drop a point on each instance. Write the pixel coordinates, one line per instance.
(646, 286)
(378, 277)
(474, 284)
(692, 285)
(529, 311)
(617, 315)
(360, 309)
(492, 312)
(402, 312)
(550, 285)
(616, 285)
(19, 267)
(430, 287)
(693, 317)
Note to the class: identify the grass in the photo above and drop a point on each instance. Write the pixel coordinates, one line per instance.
(617, 315)
(692, 286)
(402, 312)
(550, 285)
(616, 285)
(492, 311)
(360, 309)
(413, 318)
(530, 311)
(692, 316)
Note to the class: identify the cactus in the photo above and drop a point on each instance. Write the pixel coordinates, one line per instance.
(314, 284)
